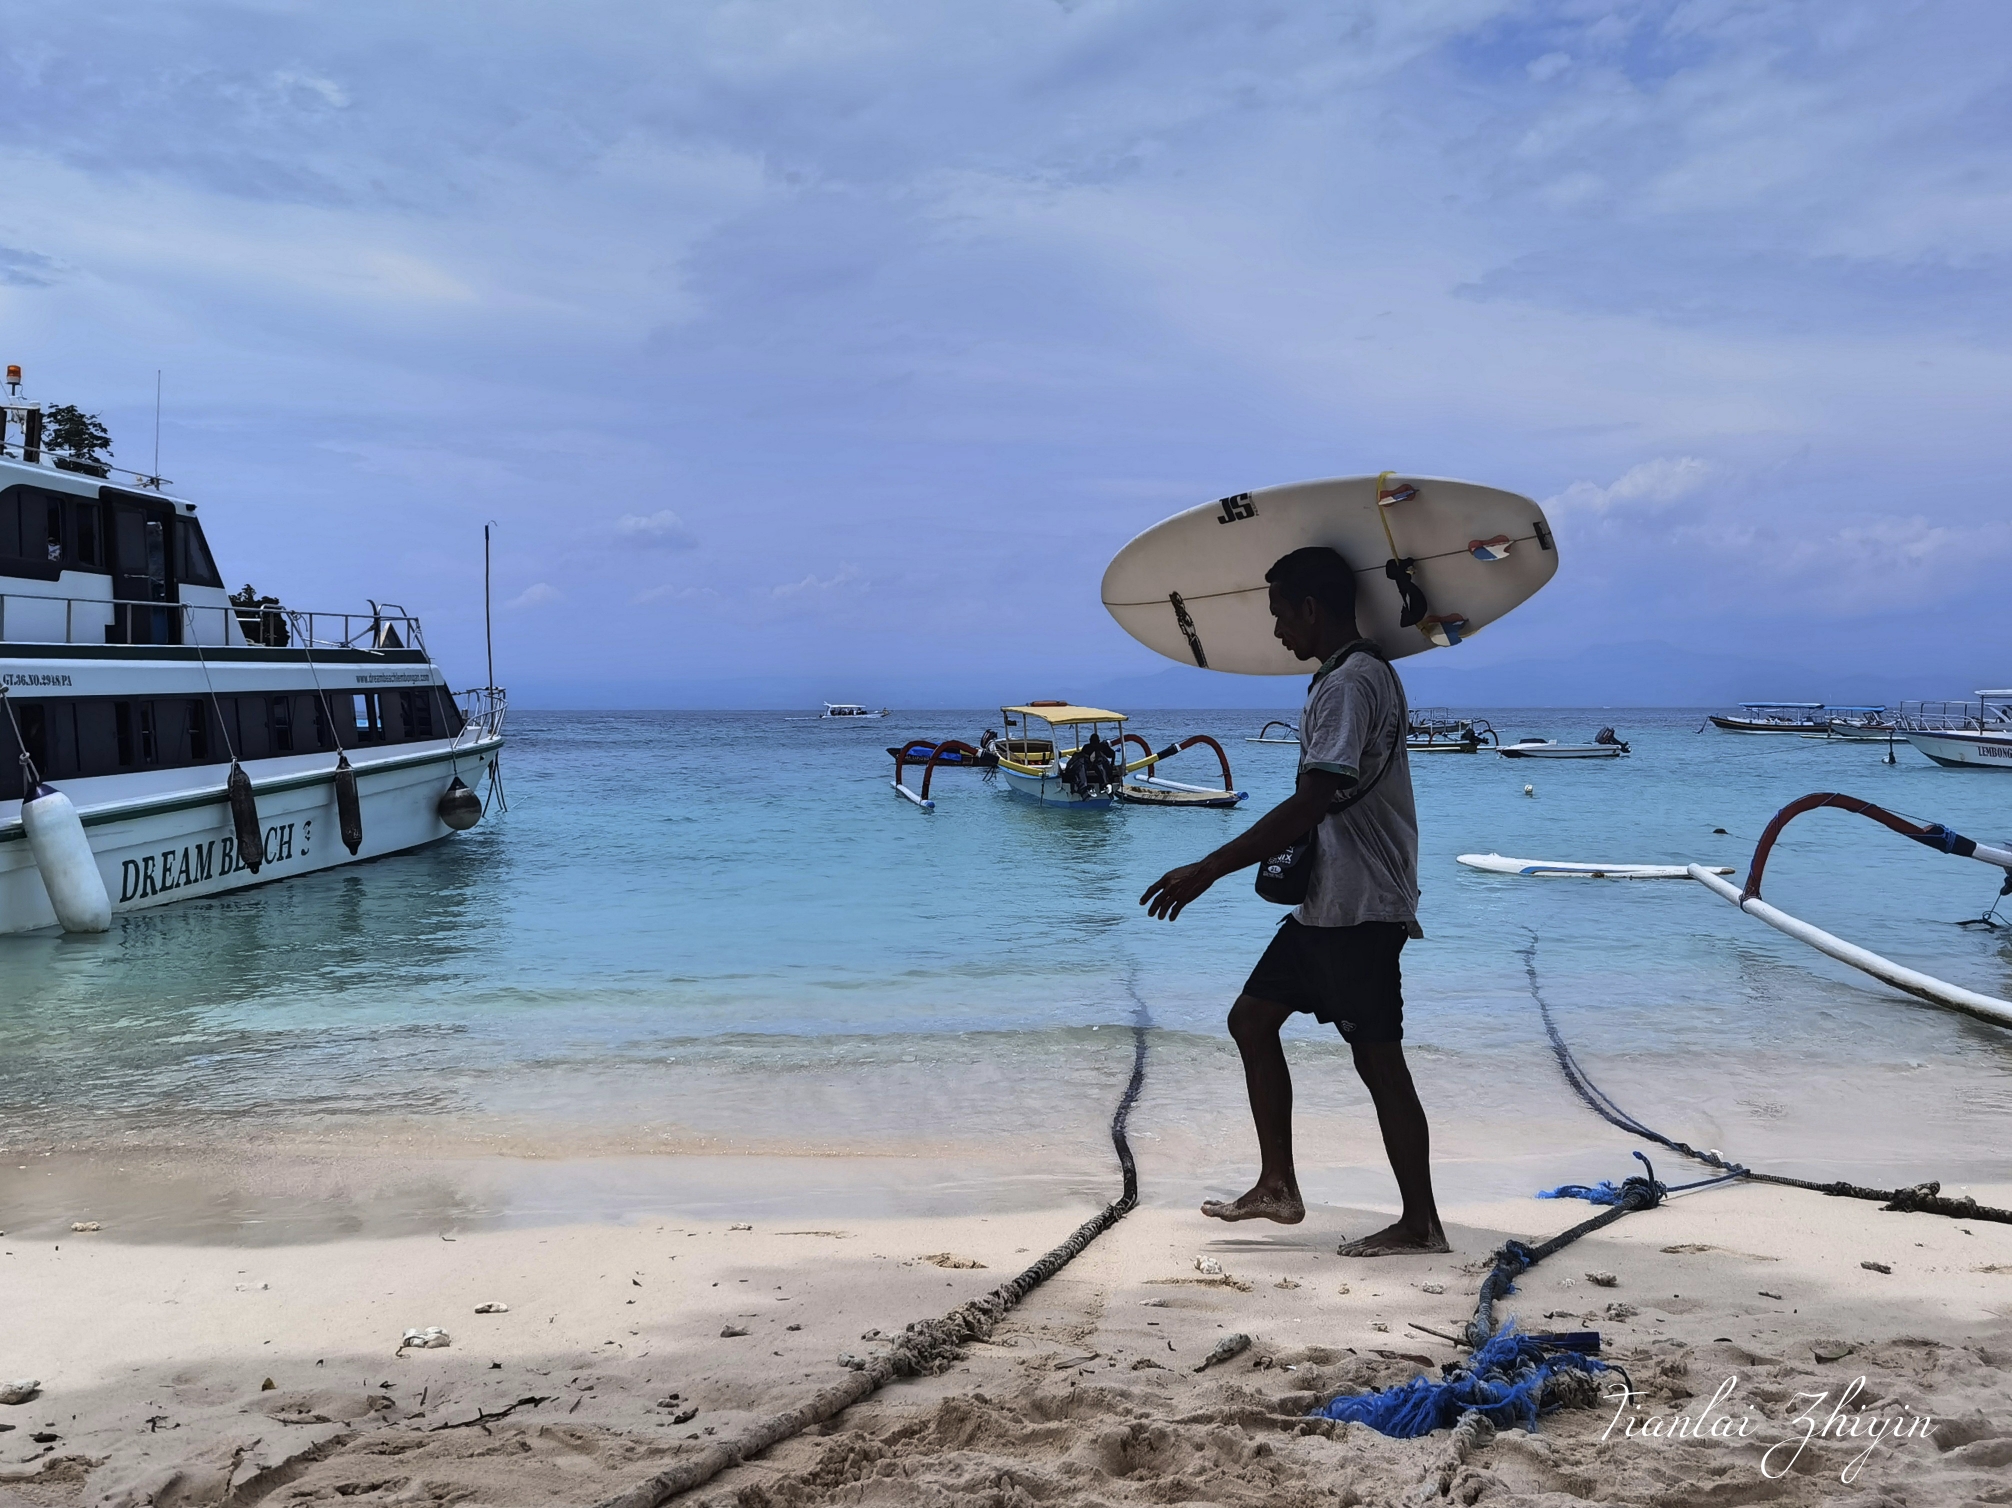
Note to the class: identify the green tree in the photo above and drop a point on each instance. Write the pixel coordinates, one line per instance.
(70, 431)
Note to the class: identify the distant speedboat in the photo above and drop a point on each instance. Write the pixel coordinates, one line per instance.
(1862, 725)
(851, 709)
(1775, 717)
(1972, 734)
(1604, 746)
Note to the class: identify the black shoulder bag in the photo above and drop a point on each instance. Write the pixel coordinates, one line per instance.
(1284, 878)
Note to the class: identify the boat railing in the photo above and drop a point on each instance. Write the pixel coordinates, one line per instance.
(1954, 717)
(482, 710)
(36, 618)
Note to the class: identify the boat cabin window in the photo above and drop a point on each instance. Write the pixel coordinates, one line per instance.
(193, 565)
(82, 736)
(368, 721)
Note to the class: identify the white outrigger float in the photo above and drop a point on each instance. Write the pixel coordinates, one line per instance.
(1747, 898)
(168, 743)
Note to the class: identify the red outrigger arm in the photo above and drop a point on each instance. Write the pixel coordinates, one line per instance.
(1933, 834)
(1152, 760)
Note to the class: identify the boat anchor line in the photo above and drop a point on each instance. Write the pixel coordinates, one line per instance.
(926, 1347)
(1925, 1198)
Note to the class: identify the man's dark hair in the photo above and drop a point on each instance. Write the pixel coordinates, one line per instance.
(1319, 573)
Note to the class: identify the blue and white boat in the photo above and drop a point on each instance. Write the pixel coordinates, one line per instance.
(200, 743)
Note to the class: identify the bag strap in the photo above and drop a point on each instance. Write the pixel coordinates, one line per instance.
(1342, 802)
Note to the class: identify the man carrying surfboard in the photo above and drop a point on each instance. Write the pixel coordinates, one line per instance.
(1336, 955)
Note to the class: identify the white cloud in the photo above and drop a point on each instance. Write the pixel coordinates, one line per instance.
(1548, 67)
(1648, 487)
(662, 530)
(814, 587)
(537, 594)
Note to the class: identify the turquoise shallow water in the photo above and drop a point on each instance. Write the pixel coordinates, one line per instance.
(694, 924)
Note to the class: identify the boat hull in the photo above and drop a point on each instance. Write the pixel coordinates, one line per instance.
(1983, 751)
(173, 845)
(1511, 751)
(1047, 789)
(1749, 725)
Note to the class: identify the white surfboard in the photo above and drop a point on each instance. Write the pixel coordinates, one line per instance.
(1495, 863)
(1193, 589)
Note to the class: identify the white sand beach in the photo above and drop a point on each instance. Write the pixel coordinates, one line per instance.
(184, 1372)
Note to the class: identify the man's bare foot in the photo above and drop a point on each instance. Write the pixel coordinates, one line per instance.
(1258, 1204)
(1396, 1240)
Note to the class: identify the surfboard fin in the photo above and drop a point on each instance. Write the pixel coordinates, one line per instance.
(1187, 625)
(1490, 550)
(1443, 629)
(1415, 605)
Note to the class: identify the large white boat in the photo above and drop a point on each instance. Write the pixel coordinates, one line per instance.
(1977, 734)
(137, 688)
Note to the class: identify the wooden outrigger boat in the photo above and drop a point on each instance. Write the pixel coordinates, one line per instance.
(1058, 754)
(1434, 730)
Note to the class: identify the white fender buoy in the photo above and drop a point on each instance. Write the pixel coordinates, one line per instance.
(1529, 790)
(63, 855)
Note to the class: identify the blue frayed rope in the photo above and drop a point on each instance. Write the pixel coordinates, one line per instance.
(1504, 1382)
(1606, 1191)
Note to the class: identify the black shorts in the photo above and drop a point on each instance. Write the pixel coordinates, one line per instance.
(1347, 976)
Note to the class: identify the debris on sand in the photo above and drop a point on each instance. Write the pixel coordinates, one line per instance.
(949, 1259)
(1602, 1279)
(728, 1332)
(80, 1226)
(1831, 1350)
(492, 1307)
(1208, 1267)
(1877, 1267)
(432, 1338)
(1226, 1349)
(20, 1390)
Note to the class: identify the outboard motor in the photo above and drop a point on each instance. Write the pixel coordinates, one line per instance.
(1606, 736)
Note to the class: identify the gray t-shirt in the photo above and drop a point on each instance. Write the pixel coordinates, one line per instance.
(1366, 863)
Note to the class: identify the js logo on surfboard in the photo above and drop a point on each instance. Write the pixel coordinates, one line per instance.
(1237, 507)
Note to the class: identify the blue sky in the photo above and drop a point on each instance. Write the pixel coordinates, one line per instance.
(831, 349)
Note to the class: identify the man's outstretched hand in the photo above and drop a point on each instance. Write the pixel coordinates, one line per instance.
(1172, 891)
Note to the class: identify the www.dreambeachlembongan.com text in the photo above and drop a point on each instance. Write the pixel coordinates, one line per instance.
(1813, 1420)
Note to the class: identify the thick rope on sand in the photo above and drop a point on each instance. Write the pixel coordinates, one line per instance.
(925, 1348)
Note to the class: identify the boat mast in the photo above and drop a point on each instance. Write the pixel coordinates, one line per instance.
(488, 629)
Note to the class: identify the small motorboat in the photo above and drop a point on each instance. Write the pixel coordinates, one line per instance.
(1289, 734)
(1604, 746)
(850, 709)
(1858, 725)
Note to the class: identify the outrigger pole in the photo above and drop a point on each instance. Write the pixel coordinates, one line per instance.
(1933, 834)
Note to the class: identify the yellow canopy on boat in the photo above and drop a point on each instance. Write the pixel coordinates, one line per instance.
(1068, 713)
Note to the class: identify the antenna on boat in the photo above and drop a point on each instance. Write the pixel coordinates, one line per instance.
(488, 629)
(157, 425)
